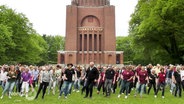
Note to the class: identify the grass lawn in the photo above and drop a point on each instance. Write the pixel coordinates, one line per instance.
(77, 98)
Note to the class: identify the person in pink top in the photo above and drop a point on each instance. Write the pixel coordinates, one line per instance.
(126, 76)
(101, 81)
(142, 80)
(161, 82)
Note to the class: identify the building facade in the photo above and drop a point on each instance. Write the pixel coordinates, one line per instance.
(90, 33)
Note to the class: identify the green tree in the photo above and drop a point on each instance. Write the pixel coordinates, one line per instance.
(21, 42)
(55, 43)
(125, 44)
(157, 26)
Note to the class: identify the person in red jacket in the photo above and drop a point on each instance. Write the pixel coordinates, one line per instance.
(161, 82)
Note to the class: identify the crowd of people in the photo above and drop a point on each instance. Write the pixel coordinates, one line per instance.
(57, 79)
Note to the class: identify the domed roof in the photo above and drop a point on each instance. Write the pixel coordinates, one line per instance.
(90, 2)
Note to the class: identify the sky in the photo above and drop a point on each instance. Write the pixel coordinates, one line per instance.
(49, 16)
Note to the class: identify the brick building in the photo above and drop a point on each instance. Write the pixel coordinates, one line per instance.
(90, 33)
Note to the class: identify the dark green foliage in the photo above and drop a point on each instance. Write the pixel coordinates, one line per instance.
(19, 43)
(157, 31)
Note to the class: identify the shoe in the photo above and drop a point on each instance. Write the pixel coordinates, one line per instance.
(135, 95)
(9, 97)
(119, 96)
(21, 95)
(2, 97)
(85, 96)
(65, 97)
(163, 97)
(126, 97)
(77, 91)
(155, 96)
(59, 97)
(98, 92)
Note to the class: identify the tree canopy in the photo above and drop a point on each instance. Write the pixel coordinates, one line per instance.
(156, 27)
(19, 43)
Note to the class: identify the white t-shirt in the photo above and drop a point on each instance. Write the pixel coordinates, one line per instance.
(182, 74)
(3, 75)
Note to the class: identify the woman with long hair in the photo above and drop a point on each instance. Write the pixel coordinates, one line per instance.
(52, 84)
(10, 81)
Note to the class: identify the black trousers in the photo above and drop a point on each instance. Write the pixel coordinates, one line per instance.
(114, 86)
(150, 86)
(43, 87)
(101, 85)
(182, 83)
(130, 87)
(159, 87)
(178, 88)
(89, 88)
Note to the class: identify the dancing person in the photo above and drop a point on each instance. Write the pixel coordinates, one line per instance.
(31, 78)
(109, 78)
(92, 77)
(116, 76)
(69, 73)
(126, 77)
(10, 81)
(101, 81)
(84, 79)
(52, 84)
(152, 81)
(3, 74)
(35, 76)
(59, 74)
(177, 81)
(45, 78)
(161, 82)
(25, 77)
(142, 80)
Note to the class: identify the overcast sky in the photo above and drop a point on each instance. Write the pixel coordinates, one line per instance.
(48, 16)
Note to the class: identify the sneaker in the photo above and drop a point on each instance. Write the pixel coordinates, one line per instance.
(2, 97)
(65, 97)
(126, 97)
(9, 97)
(155, 96)
(119, 96)
(163, 97)
(59, 97)
(135, 95)
(77, 91)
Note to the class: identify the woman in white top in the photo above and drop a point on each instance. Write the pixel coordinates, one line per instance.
(3, 76)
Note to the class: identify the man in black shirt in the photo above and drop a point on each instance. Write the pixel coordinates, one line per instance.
(68, 75)
(152, 81)
(109, 79)
(92, 77)
(177, 81)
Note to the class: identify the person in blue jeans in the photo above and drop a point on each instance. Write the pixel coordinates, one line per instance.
(10, 81)
(69, 74)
